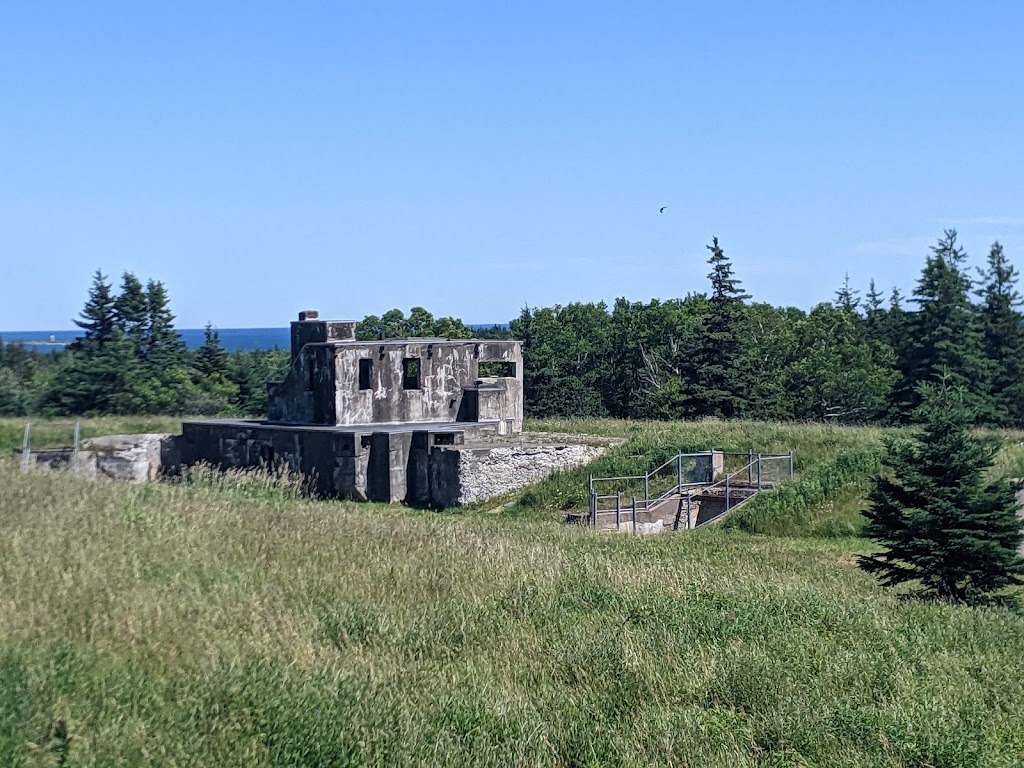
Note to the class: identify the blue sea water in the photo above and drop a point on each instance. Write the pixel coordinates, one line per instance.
(233, 339)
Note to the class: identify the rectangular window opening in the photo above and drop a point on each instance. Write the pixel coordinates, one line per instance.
(366, 373)
(497, 369)
(444, 439)
(411, 373)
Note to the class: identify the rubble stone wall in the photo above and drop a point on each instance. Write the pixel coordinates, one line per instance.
(472, 475)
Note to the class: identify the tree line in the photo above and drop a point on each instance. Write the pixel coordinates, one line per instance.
(854, 360)
(720, 353)
(130, 359)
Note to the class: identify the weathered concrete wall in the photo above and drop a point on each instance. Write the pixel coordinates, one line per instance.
(306, 396)
(310, 329)
(385, 466)
(135, 458)
(446, 369)
(324, 385)
(335, 463)
(471, 475)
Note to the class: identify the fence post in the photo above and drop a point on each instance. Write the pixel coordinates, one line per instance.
(593, 510)
(647, 489)
(727, 493)
(759, 473)
(78, 439)
(687, 511)
(618, 509)
(679, 472)
(634, 514)
(750, 467)
(790, 465)
(26, 449)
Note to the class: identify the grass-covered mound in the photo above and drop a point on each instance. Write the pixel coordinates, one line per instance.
(233, 625)
(834, 466)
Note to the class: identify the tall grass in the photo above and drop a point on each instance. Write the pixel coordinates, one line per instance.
(192, 624)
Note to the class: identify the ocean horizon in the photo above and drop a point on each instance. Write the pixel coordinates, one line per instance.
(232, 339)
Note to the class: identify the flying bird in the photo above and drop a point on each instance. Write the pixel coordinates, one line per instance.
(662, 209)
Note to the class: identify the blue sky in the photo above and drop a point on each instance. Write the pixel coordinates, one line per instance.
(261, 158)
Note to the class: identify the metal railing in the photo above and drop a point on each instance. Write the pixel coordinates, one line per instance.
(698, 479)
(26, 448)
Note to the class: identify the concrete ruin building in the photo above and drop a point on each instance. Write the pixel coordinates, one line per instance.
(420, 421)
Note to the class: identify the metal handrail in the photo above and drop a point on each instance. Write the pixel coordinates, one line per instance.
(678, 489)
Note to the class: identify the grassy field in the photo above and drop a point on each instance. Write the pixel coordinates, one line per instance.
(230, 623)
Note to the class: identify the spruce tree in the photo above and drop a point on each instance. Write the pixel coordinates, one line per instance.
(846, 299)
(98, 315)
(162, 345)
(1002, 328)
(716, 360)
(217, 391)
(875, 316)
(946, 337)
(941, 521)
(92, 374)
(130, 309)
(211, 357)
(873, 300)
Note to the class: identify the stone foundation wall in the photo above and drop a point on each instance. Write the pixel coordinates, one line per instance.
(471, 475)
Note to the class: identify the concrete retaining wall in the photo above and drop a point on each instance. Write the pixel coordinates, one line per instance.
(471, 475)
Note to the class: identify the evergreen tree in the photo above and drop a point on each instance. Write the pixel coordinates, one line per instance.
(946, 338)
(1003, 330)
(93, 373)
(14, 397)
(211, 358)
(162, 345)
(217, 391)
(97, 378)
(846, 299)
(130, 309)
(98, 315)
(873, 300)
(941, 522)
(716, 360)
(895, 300)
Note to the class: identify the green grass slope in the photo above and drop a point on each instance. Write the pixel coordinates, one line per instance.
(230, 624)
(833, 464)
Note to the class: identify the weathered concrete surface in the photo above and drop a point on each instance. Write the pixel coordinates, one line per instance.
(371, 462)
(338, 381)
(136, 458)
